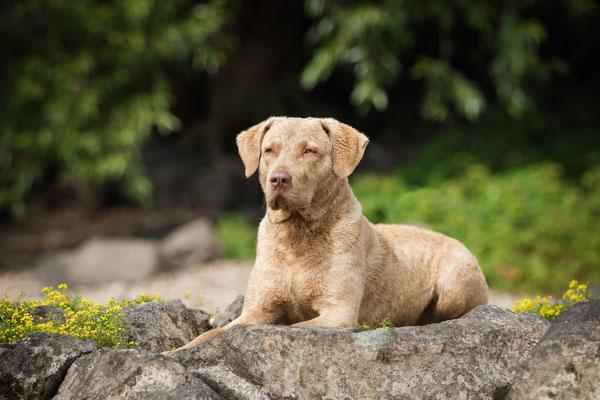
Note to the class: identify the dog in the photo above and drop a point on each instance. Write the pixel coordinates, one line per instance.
(319, 261)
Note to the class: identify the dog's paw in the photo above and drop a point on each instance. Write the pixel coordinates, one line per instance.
(169, 353)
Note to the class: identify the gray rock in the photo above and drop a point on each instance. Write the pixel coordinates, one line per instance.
(229, 385)
(42, 314)
(103, 260)
(131, 374)
(34, 368)
(467, 358)
(159, 327)
(232, 311)
(565, 364)
(203, 318)
(192, 243)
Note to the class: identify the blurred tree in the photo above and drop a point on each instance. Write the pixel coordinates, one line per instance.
(84, 83)
(465, 53)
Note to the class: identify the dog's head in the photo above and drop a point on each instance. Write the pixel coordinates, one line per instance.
(298, 158)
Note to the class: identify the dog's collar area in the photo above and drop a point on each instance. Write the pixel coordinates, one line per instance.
(278, 216)
(282, 215)
(313, 213)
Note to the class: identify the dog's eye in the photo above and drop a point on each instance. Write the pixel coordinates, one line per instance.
(310, 151)
(268, 150)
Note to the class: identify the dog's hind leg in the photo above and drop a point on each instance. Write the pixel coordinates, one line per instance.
(460, 287)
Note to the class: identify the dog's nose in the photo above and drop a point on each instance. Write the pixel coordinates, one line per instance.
(280, 179)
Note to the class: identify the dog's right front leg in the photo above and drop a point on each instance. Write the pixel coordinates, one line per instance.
(337, 318)
(247, 318)
(203, 338)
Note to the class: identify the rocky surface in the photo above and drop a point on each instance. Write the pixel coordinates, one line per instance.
(231, 312)
(566, 362)
(469, 358)
(34, 368)
(489, 353)
(131, 374)
(229, 385)
(159, 327)
(192, 243)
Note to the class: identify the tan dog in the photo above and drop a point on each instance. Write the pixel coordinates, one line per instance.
(319, 262)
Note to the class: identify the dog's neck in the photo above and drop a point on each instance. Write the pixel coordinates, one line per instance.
(328, 206)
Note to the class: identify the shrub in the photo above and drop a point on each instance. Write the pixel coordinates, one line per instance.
(530, 228)
(237, 236)
(86, 83)
(84, 319)
(550, 309)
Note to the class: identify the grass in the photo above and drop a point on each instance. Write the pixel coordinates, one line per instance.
(384, 323)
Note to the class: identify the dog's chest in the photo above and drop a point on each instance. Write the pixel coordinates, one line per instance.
(301, 277)
(301, 258)
(302, 290)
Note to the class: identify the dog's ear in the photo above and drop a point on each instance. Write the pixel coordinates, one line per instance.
(347, 146)
(249, 142)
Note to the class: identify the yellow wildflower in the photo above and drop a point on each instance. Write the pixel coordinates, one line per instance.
(83, 318)
(573, 283)
(550, 309)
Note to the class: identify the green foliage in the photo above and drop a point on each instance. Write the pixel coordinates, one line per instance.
(85, 83)
(548, 308)
(140, 299)
(385, 323)
(357, 35)
(237, 236)
(84, 319)
(456, 49)
(570, 140)
(530, 228)
(445, 86)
